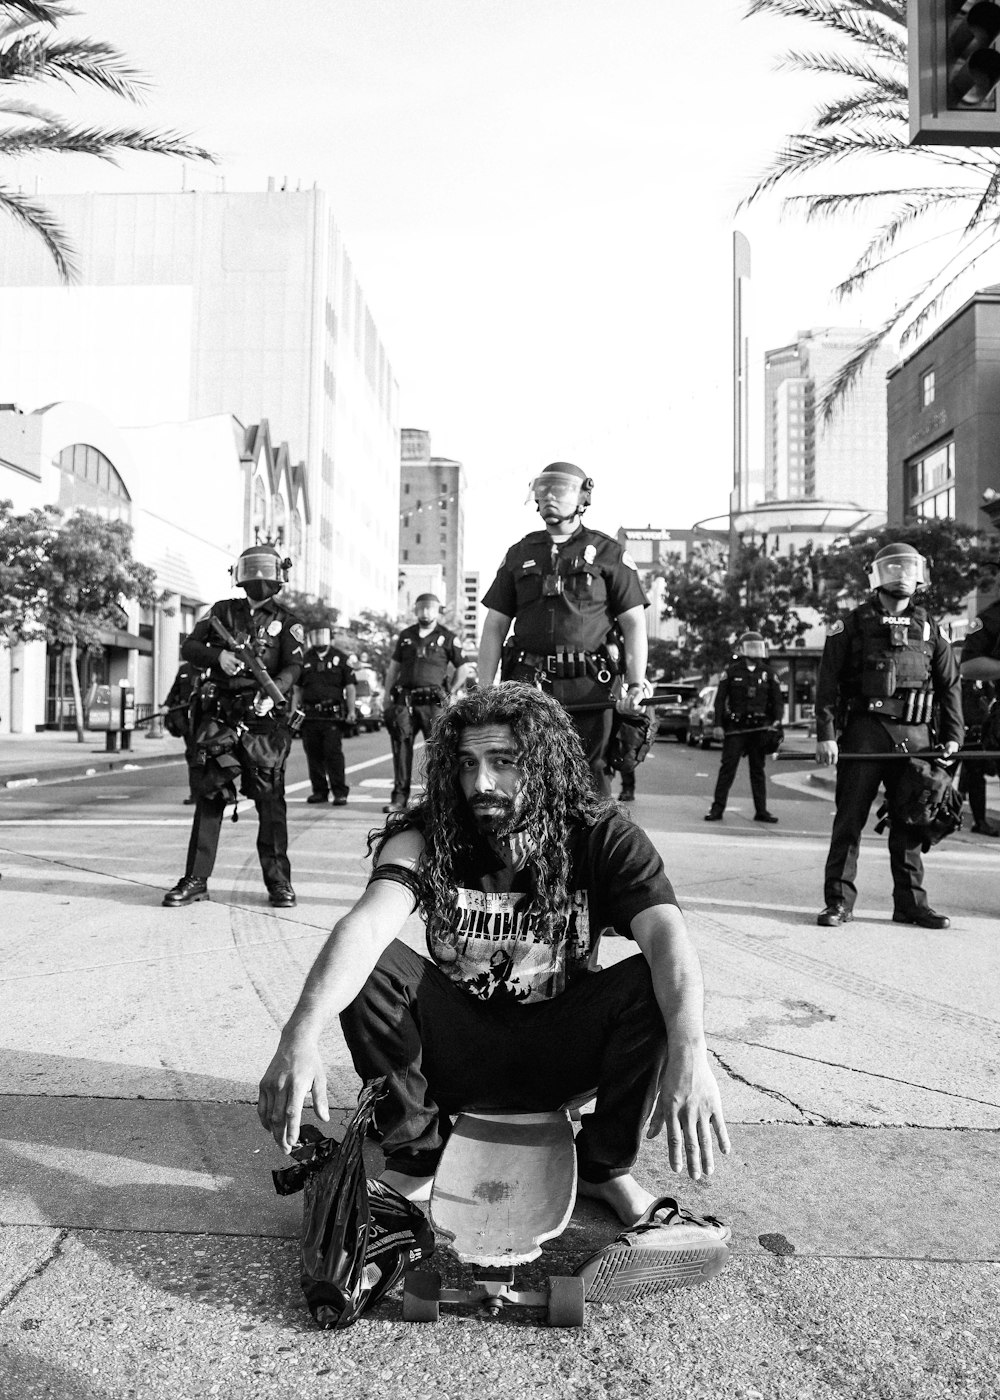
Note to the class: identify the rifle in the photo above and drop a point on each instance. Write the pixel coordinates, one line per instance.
(245, 653)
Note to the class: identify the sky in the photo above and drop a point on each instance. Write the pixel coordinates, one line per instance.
(539, 198)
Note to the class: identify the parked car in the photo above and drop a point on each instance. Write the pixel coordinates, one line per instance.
(672, 705)
(701, 720)
(367, 707)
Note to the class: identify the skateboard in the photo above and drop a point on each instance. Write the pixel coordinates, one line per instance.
(506, 1182)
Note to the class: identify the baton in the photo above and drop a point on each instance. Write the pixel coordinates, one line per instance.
(963, 756)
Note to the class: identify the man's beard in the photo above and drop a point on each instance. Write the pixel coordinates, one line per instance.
(496, 814)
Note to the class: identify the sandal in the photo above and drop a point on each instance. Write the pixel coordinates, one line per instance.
(667, 1247)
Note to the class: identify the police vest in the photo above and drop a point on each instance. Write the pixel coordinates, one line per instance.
(423, 661)
(562, 594)
(323, 678)
(893, 654)
(749, 692)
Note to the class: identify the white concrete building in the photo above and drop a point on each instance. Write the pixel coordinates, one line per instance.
(194, 493)
(195, 304)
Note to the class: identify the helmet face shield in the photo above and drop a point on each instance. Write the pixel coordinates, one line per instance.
(564, 490)
(753, 648)
(899, 569)
(258, 564)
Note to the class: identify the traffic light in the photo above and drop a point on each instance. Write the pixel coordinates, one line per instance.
(954, 72)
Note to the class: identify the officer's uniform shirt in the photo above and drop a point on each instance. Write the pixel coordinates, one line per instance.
(277, 636)
(423, 661)
(565, 596)
(183, 686)
(325, 676)
(748, 692)
(842, 663)
(983, 636)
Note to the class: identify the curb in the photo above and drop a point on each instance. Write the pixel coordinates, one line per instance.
(125, 764)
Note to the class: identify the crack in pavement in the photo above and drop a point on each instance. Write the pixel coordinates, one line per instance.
(807, 1114)
(852, 1069)
(53, 1255)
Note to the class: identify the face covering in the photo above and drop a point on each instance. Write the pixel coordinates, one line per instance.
(257, 589)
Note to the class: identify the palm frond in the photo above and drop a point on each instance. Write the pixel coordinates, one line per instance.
(964, 261)
(841, 66)
(827, 205)
(803, 153)
(103, 142)
(892, 10)
(40, 11)
(72, 60)
(863, 107)
(29, 110)
(873, 258)
(987, 202)
(37, 218)
(855, 22)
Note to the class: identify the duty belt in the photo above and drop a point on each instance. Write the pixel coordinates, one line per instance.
(333, 708)
(912, 708)
(566, 665)
(422, 694)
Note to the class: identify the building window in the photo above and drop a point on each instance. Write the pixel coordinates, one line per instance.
(89, 480)
(406, 488)
(406, 555)
(930, 485)
(926, 388)
(418, 537)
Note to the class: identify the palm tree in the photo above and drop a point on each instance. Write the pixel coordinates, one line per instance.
(870, 119)
(32, 54)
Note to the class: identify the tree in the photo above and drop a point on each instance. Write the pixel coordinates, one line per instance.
(33, 55)
(374, 633)
(312, 612)
(24, 540)
(869, 119)
(761, 592)
(84, 572)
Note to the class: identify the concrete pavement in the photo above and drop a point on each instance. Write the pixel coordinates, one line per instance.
(143, 1251)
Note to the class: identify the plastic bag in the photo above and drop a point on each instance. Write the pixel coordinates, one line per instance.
(358, 1236)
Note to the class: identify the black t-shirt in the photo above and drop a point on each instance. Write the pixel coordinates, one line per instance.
(495, 950)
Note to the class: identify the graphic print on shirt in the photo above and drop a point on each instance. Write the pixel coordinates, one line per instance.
(495, 950)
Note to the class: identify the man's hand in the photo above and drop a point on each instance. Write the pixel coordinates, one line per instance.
(631, 701)
(262, 705)
(230, 663)
(688, 1103)
(950, 748)
(826, 752)
(719, 734)
(295, 1073)
(351, 716)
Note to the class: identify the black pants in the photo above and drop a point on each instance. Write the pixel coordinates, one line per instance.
(972, 784)
(734, 746)
(324, 750)
(416, 719)
(594, 729)
(443, 1050)
(857, 787)
(272, 830)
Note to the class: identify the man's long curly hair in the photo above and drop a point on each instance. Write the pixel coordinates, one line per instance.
(557, 797)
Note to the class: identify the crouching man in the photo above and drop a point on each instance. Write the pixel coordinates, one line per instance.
(515, 864)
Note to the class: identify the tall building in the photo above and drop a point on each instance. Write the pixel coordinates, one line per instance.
(471, 610)
(432, 513)
(805, 458)
(198, 303)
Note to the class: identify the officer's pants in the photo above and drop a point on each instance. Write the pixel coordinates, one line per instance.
(272, 834)
(857, 787)
(421, 721)
(324, 750)
(442, 1049)
(734, 746)
(594, 729)
(972, 784)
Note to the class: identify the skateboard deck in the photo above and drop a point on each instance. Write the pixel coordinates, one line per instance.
(506, 1182)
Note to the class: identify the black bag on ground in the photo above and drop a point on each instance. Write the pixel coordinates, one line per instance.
(925, 797)
(358, 1236)
(632, 735)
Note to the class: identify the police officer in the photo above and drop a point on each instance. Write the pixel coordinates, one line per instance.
(564, 588)
(417, 684)
(748, 703)
(177, 722)
(240, 733)
(327, 695)
(977, 696)
(885, 667)
(980, 670)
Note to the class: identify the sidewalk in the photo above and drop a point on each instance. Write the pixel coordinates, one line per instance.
(57, 755)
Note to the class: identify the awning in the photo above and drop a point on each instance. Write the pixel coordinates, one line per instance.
(126, 641)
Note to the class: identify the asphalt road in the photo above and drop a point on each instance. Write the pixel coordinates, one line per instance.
(142, 1252)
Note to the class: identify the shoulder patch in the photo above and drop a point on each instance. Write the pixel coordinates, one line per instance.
(298, 631)
(976, 625)
(835, 628)
(629, 561)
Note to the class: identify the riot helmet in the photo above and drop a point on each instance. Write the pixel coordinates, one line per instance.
(899, 569)
(261, 572)
(561, 492)
(753, 646)
(426, 607)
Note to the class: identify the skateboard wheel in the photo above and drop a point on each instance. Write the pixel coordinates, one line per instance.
(566, 1302)
(421, 1288)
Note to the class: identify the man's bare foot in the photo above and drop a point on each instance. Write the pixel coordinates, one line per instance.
(623, 1194)
(413, 1188)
